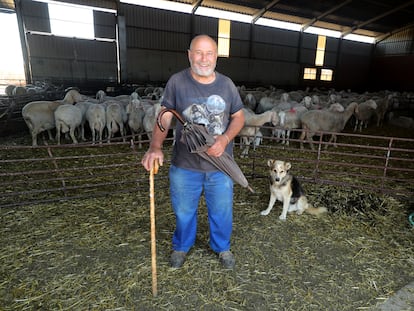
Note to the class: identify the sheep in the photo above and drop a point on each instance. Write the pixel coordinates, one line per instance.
(136, 115)
(252, 124)
(9, 89)
(383, 105)
(83, 106)
(115, 119)
(324, 121)
(336, 107)
(67, 118)
(268, 103)
(250, 101)
(311, 103)
(39, 115)
(150, 118)
(400, 121)
(19, 91)
(258, 139)
(96, 117)
(288, 120)
(363, 113)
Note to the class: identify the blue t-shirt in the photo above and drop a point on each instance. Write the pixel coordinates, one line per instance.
(208, 104)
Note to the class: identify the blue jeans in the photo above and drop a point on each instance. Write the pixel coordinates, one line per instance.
(186, 188)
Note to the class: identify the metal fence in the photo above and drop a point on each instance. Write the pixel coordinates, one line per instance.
(53, 173)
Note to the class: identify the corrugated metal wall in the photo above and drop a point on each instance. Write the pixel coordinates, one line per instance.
(401, 43)
(156, 42)
(69, 60)
(393, 61)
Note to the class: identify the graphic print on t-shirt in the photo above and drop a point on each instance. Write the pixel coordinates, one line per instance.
(209, 112)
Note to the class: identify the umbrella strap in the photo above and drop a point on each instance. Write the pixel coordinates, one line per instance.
(175, 113)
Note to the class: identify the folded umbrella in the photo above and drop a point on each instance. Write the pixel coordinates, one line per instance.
(198, 140)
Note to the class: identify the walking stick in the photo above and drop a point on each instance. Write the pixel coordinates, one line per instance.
(154, 170)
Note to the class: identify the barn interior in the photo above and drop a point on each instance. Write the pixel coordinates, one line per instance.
(75, 227)
(142, 44)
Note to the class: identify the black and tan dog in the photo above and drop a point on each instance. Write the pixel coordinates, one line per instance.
(286, 188)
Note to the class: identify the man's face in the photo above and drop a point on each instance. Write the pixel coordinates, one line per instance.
(203, 57)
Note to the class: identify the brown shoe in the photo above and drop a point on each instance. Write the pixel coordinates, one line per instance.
(177, 259)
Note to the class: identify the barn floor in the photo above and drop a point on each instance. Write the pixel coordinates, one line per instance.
(95, 255)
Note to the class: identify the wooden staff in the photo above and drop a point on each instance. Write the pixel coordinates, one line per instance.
(154, 170)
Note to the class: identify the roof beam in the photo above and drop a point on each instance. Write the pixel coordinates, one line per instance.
(260, 13)
(314, 20)
(388, 34)
(398, 8)
(195, 4)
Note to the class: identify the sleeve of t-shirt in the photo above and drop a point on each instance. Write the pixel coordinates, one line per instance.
(237, 103)
(168, 99)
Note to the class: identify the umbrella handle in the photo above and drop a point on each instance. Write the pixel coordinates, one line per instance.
(175, 113)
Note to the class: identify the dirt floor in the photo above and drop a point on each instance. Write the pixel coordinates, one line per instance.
(95, 255)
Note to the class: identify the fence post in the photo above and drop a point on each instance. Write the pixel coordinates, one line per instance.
(49, 151)
(387, 159)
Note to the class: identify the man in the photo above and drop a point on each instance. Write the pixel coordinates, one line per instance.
(204, 96)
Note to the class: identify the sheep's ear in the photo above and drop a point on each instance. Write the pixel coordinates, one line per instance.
(270, 162)
(288, 166)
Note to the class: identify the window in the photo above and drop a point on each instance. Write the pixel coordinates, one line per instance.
(11, 58)
(320, 51)
(71, 21)
(309, 74)
(326, 74)
(224, 38)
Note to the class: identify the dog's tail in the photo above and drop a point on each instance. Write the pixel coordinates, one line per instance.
(315, 210)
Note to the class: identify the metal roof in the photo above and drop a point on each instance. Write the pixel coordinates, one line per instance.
(376, 18)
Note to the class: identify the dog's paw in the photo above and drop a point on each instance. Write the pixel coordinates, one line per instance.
(265, 212)
(282, 217)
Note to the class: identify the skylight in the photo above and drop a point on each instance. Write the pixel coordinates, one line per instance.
(221, 14)
(278, 24)
(162, 4)
(71, 21)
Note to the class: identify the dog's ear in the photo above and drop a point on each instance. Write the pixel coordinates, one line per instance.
(270, 162)
(288, 166)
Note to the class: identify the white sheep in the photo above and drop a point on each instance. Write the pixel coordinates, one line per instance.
(96, 117)
(269, 103)
(383, 104)
(363, 113)
(9, 89)
(83, 106)
(136, 113)
(67, 118)
(314, 121)
(150, 118)
(115, 119)
(252, 124)
(39, 115)
(336, 107)
(288, 120)
(250, 102)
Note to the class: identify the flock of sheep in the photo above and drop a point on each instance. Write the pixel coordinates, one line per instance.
(311, 111)
(105, 115)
